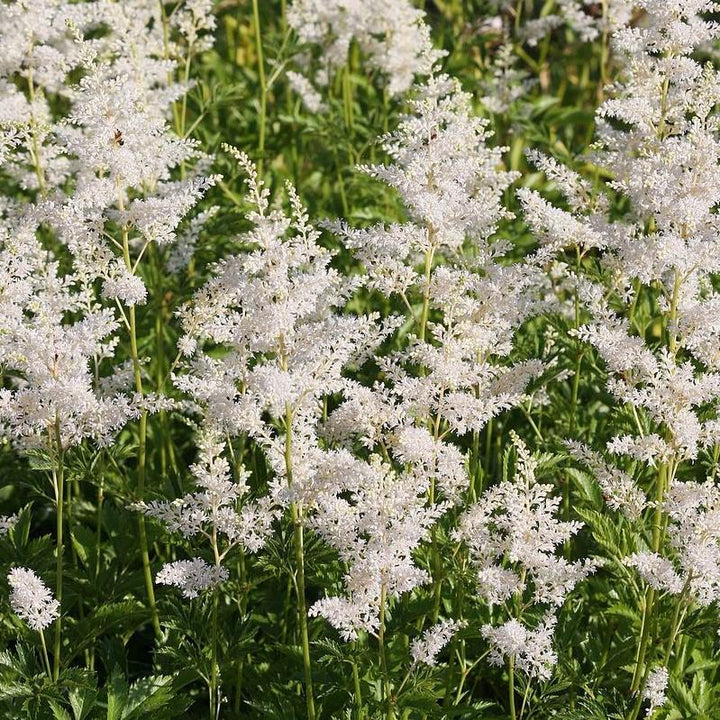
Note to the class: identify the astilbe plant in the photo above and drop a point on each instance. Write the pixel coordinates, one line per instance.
(96, 158)
(657, 137)
(450, 451)
(448, 381)
(273, 309)
(513, 534)
(392, 35)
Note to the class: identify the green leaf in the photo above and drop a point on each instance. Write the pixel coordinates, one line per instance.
(59, 713)
(117, 695)
(82, 701)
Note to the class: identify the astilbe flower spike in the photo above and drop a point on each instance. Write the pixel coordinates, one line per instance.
(513, 534)
(31, 600)
(657, 138)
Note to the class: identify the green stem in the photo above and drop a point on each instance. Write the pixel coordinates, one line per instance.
(578, 345)
(604, 54)
(34, 146)
(665, 473)
(341, 183)
(214, 708)
(298, 541)
(488, 449)
(456, 652)
(526, 694)
(186, 81)
(426, 288)
(302, 609)
(650, 592)
(715, 460)
(511, 687)
(357, 691)
(387, 698)
(142, 435)
(46, 659)
(59, 482)
(347, 96)
(263, 87)
(681, 608)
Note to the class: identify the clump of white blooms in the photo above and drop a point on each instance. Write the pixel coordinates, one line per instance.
(658, 140)
(658, 572)
(192, 577)
(375, 517)
(274, 311)
(101, 181)
(658, 136)
(589, 19)
(620, 491)
(426, 648)
(654, 690)
(391, 33)
(51, 361)
(693, 531)
(451, 183)
(531, 649)
(31, 600)
(218, 510)
(513, 535)
(378, 512)
(449, 178)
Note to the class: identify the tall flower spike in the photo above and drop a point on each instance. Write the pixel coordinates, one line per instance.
(658, 138)
(451, 183)
(375, 518)
(191, 577)
(219, 510)
(274, 311)
(426, 648)
(513, 535)
(390, 32)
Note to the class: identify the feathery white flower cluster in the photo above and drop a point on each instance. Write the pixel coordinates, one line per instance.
(451, 184)
(31, 600)
(618, 488)
(391, 33)
(693, 531)
(219, 509)
(659, 139)
(426, 648)
(654, 690)
(52, 362)
(513, 534)
(587, 18)
(447, 175)
(101, 174)
(376, 515)
(274, 310)
(192, 577)
(531, 649)
(375, 518)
